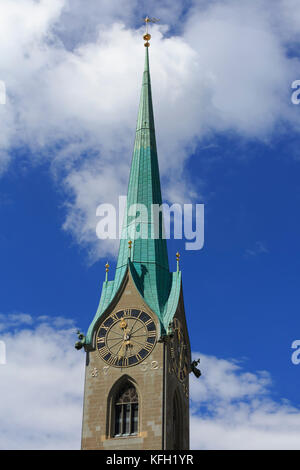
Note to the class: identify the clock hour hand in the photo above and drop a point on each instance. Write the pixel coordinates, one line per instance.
(122, 350)
(124, 346)
(123, 324)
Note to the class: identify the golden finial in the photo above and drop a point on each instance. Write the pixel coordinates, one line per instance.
(177, 259)
(129, 246)
(147, 36)
(106, 270)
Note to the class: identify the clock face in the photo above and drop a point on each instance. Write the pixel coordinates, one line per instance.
(126, 337)
(179, 351)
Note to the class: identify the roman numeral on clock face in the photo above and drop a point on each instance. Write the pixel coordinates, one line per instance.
(103, 352)
(112, 360)
(127, 312)
(114, 317)
(148, 347)
(151, 333)
(125, 361)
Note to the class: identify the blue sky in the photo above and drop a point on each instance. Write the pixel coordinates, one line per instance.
(221, 91)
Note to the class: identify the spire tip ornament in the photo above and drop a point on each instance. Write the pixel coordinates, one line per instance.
(147, 36)
(106, 271)
(177, 260)
(129, 246)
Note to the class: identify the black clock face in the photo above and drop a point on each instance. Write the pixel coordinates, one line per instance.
(126, 337)
(179, 351)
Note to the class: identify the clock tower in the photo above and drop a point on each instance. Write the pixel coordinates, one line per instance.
(138, 356)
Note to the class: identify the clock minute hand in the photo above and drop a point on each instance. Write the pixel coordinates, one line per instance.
(132, 327)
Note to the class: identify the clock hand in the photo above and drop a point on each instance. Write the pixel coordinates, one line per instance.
(124, 345)
(120, 352)
(123, 324)
(124, 348)
(133, 326)
(128, 345)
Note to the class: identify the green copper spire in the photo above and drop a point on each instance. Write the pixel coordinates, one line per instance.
(148, 263)
(144, 186)
(148, 255)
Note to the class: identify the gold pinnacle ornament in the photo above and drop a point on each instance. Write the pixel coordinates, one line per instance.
(147, 36)
(129, 246)
(177, 259)
(106, 271)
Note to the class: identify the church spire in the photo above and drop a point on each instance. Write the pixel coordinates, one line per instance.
(144, 186)
(147, 258)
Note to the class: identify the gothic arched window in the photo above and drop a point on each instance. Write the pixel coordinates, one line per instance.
(126, 411)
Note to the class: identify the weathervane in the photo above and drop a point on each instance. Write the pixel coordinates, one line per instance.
(147, 36)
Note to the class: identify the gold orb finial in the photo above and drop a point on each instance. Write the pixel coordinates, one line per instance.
(147, 36)
(106, 271)
(177, 260)
(129, 246)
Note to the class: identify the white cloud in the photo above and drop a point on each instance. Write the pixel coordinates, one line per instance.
(11, 320)
(233, 409)
(258, 249)
(41, 396)
(41, 388)
(73, 77)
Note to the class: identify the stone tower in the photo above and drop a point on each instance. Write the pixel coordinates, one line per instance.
(137, 347)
